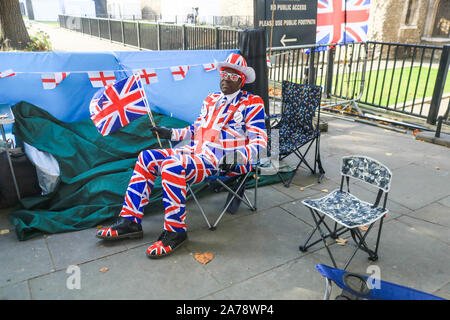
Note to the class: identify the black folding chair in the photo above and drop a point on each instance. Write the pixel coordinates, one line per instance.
(352, 214)
(236, 187)
(296, 131)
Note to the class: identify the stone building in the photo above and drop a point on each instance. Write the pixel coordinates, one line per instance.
(410, 21)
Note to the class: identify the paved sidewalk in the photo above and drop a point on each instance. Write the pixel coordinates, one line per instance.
(256, 255)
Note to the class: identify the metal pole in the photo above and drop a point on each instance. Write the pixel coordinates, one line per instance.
(158, 35)
(138, 31)
(123, 31)
(9, 161)
(312, 69)
(330, 67)
(439, 85)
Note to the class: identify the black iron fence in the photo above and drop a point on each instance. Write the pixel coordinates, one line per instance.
(153, 36)
(405, 78)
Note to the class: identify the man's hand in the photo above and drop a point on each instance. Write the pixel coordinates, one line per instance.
(163, 132)
(231, 160)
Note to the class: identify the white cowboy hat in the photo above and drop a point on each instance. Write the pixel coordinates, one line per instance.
(237, 62)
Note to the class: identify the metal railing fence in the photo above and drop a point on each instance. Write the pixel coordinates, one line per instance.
(405, 78)
(153, 35)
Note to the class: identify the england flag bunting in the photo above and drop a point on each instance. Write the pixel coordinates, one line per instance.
(7, 73)
(51, 80)
(179, 72)
(101, 78)
(148, 75)
(210, 67)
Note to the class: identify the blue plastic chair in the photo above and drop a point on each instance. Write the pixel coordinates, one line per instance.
(358, 287)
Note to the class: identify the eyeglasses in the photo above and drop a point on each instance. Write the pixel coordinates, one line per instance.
(229, 76)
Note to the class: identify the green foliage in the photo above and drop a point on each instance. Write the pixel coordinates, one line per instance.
(39, 42)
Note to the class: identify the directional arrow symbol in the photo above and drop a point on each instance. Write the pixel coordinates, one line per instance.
(283, 40)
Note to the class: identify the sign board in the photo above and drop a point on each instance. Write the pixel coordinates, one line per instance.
(294, 21)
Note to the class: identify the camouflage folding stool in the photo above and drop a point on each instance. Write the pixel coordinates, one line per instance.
(346, 210)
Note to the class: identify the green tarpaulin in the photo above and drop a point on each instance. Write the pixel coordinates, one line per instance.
(95, 170)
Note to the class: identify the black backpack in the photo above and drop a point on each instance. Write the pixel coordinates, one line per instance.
(26, 178)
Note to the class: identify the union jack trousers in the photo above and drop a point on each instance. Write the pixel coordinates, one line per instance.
(237, 127)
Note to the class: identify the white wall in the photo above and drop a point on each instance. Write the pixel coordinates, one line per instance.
(79, 8)
(125, 9)
(46, 10)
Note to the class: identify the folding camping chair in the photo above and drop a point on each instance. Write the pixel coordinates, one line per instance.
(360, 287)
(350, 212)
(234, 184)
(296, 128)
(236, 187)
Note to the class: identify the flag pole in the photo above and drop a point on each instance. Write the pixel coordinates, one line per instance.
(149, 111)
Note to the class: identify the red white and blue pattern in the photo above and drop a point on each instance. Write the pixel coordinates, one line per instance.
(176, 169)
(237, 127)
(117, 105)
(236, 59)
(179, 72)
(7, 73)
(107, 232)
(240, 127)
(342, 21)
(51, 80)
(158, 249)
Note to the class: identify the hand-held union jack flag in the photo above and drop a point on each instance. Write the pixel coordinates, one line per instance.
(342, 21)
(119, 104)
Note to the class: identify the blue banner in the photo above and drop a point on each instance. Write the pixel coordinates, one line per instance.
(69, 101)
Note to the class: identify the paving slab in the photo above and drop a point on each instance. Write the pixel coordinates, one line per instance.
(22, 260)
(16, 291)
(253, 244)
(414, 186)
(432, 230)
(434, 213)
(443, 292)
(445, 201)
(294, 280)
(131, 275)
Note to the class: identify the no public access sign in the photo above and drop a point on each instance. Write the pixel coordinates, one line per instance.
(292, 22)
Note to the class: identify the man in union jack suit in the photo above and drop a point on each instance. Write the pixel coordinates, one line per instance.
(228, 135)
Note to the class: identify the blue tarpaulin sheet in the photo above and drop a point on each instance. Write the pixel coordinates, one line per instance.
(69, 101)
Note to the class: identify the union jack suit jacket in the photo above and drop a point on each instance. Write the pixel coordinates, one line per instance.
(238, 126)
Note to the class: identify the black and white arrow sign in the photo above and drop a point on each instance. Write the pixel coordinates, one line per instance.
(283, 40)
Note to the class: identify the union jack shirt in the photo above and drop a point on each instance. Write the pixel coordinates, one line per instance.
(234, 126)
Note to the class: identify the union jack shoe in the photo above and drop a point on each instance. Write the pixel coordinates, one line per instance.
(167, 243)
(121, 228)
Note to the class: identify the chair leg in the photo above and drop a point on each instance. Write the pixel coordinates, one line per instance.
(361, 245)
(318, 161)
(235, 194)
(256, 187)
(323, 236)
(189, 189)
